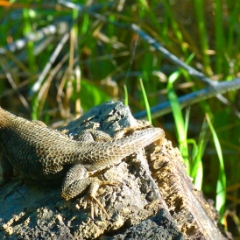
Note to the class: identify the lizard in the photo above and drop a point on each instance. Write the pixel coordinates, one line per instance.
(43, 154)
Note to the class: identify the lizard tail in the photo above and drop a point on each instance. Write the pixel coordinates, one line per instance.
(139, 139)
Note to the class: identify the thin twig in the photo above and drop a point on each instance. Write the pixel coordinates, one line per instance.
(192, 98)
(34, 37)
(13, 84)
(52, 59)
(215, 88)
(43, 92)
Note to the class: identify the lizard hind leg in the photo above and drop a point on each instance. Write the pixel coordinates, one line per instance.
(77, 181)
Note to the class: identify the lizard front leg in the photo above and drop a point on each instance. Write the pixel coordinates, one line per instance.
(77, 181)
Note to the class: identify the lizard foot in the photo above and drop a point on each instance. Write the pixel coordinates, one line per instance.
(77, 181)
(72, 188)
(90, 198)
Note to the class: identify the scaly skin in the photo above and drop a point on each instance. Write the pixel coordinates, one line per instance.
(44, 154)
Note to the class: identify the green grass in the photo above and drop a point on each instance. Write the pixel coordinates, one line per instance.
(178, 119)
(199, 9)
(146, 101)
(221, 181)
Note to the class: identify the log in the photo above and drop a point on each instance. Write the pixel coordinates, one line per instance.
(155, 199)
